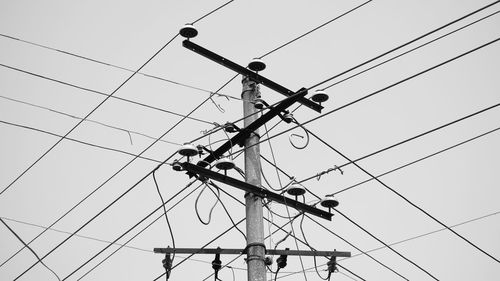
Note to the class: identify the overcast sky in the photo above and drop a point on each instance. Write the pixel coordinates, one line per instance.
(60, 59)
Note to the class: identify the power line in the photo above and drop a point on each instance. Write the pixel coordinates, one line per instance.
(86, 116)
(380, 90)
(117, 67)
(79, 141)
(385, 244)
(213, 11)
(314, 29)
(405, 44)
(29, 248)
(406, 199)
(440, 127)
(123, 194)
(411, 50)
(418, 160)
(99, 92)
(134, 226)
(129, 132)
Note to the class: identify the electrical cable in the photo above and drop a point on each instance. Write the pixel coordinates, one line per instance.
(77, 235)
(213, 11)
(100, 93)
(114, 66)
(381, 90)
(411, 50)
(141, 231)
(116, 173)
(224, 207)
(29, 248)
(79, 141)
(432, 232)
(314, 29)
(405, 44)
(440, 127)
(343, 267)
(88, 120)
(110, 178)
(418, 160)
(165, 212)
(385, 244)
(211, 208)
(130, 229)
(86, 116)
(407, 200)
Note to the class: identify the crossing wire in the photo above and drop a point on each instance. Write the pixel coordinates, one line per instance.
(406, 199)
(379, 91)
(86, 116)
(79, 141)
(404, 45)
(99, 92)
(418, 160)
(411, 139)
(128, 131)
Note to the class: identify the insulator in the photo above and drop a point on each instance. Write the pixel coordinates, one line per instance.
(188, 31)
(296, 190)
(329, 202)
(319, 96)
(259, 103)
(225, 164)
(177, 166)
(281, 261)
(188, 150)
(230, 128)
(257, 65)
(288, 117)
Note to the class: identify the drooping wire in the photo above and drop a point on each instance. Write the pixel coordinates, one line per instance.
(165, 212)
(301, 225)
(417, 160)
(404, 45)
(224, 207)
(29, 248)
(211, 208)
(307, 136)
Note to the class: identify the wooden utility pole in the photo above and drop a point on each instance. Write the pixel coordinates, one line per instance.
(254, 215)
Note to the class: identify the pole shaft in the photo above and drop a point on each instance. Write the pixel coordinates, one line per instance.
(254, 214)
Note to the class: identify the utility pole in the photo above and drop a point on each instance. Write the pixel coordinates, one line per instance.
(256, 268)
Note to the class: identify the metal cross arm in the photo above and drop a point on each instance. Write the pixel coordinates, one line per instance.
(243, 251)
(245, 133)
(195, 169)
(248, 73)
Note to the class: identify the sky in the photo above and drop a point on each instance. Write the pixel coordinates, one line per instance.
(62, 61)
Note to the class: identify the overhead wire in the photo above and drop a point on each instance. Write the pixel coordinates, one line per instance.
(86, 116)
(29, 248)
(314, 29)
(123, 194)
(139, 232)
(418, 160)
(79, 141)
(100, 93)
(411, 50)
(407, 200)
(169, 226)
(405, 44)
(128, 131)
(435, 129)
(380, 90)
